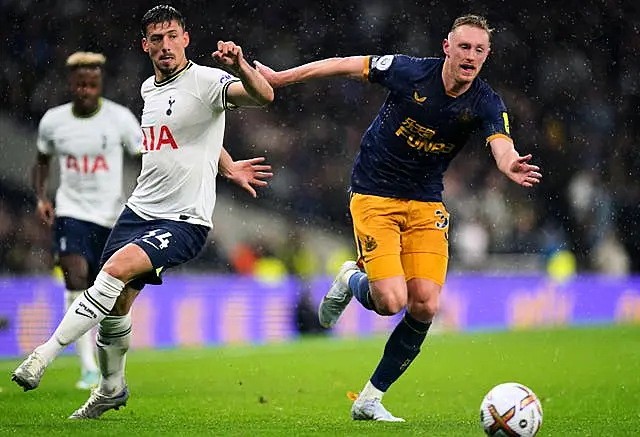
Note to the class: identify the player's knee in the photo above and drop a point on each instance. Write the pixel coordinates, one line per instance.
(120, 270)
(389, 303)
(424, 309)
(424, 299)
(127, 263)
(116, 269)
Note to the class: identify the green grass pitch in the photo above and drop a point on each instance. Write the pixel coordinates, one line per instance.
(588, 380)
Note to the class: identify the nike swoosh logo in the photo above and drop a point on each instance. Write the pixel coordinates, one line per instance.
(83, 313)
(150, 243)
(417, 97)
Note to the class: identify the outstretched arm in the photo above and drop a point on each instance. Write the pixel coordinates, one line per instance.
(253, 90)
(352, 66)
(514, 166)
(247, 173)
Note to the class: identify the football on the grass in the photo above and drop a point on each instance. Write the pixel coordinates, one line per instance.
(511, 410)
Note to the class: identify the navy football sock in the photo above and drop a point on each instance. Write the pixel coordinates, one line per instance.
(401, 348)
(359, 284)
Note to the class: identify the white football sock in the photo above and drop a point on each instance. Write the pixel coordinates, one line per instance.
(85, 345)
(370, 392)
(86, 311)
(114, 339)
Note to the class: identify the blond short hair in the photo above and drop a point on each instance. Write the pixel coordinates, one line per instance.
(472, 20)
(86, 59)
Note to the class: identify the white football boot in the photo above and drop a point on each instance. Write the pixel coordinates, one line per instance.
(98, 404)
(337, 298)
(372, 409)
(29, 373)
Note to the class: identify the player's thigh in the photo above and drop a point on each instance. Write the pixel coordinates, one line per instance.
(377, 223)
(425, 242)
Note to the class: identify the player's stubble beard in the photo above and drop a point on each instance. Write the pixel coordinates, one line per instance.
(166, 71)
(170, 69)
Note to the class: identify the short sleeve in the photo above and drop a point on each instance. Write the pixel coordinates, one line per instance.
(130, 132)
(45, 141)
(495, 120)
(214, 84)
(392, 71)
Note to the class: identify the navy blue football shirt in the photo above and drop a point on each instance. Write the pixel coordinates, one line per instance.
(420, 128)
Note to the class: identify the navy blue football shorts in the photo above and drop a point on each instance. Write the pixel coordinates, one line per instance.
(78, 237)
(168, 243)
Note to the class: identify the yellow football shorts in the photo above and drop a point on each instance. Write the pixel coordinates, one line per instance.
(398, 237)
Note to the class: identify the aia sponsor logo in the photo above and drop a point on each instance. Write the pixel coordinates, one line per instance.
(86, 164)
(154, 140)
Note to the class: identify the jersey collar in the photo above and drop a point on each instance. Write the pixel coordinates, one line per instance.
(174, 76)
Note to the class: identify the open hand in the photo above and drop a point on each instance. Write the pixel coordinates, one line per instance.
(523, 173)
(249, 173)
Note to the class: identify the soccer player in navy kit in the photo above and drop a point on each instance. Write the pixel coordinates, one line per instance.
(400, 222)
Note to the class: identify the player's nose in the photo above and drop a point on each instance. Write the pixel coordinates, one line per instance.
(165, 42)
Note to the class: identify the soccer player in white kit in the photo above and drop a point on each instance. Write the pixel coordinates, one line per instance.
(88, 136)
(168, 216)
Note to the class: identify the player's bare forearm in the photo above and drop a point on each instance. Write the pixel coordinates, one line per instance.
(514, 166)
(504, 154)
(40, 175)
(352, 66)
(225, 163)
(255, 85)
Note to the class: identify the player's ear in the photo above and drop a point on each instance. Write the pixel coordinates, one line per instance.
(186, 39)
(145, 45)
(445, 46)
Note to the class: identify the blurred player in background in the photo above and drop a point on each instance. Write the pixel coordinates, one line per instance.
(400, 223)
(168, 216)
(88, 136)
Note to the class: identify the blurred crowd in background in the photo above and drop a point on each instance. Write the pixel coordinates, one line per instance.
(568, 73)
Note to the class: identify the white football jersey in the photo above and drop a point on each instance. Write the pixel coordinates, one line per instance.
(183, 122)
(90, 152)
